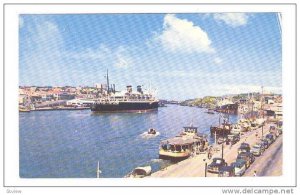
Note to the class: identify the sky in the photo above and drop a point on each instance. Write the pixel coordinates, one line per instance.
(181, 56)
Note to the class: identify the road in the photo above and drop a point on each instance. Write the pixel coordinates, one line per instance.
(270, 162)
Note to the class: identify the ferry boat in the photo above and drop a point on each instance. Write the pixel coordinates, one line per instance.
(126, 101)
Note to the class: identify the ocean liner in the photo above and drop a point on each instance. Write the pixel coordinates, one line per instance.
(125, 101)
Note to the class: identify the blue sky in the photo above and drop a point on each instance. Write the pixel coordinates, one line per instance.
(181, 55)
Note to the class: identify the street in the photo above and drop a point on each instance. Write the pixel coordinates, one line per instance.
(269, 164)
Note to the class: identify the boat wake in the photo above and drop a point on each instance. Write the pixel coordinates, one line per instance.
(146, 135)
(156, 160)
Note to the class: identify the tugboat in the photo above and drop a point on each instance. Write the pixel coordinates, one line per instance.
(210, 111)
(126, 101)
(222, 129)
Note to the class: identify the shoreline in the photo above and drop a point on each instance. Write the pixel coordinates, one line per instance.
(55, 109)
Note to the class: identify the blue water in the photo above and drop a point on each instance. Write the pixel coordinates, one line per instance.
(68, 144)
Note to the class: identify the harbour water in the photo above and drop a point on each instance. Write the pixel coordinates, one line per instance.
(68, 144)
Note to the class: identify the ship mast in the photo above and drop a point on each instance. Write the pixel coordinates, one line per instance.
(107, 82)
(98, 171)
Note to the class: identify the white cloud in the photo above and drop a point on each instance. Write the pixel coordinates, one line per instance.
(118, 57)
(232, 19)
(183, 36)
(218, 61)
(90, 54)
(44, 56)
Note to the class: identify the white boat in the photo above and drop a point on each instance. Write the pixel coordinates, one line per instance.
(245, 125)
(189, 131)
(260, 121)
(140, 172)
(236, 129)
(151, 133)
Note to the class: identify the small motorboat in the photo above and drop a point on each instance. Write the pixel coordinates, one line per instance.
(140, 172)
(151, 133)
(210, 111)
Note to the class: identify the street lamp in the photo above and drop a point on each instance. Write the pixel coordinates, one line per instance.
(263, 112)
(205, 168)
(223, 148)
(223, 139)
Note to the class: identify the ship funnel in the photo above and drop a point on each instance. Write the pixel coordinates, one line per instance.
(129, 88)
(139, 89)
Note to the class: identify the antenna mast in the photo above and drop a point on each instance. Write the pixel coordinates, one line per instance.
(107, 82)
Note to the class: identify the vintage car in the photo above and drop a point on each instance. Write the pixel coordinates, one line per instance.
(265, 143)
(261, 144)
(239, 167)
(226, 171)
(246, 156)
(232, 139)
(215, 166)
(270, 138)
(280, 130)
(274, 130)
(257, 149)
(244, 147)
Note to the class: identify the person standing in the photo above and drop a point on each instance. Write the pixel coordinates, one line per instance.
(254, 174)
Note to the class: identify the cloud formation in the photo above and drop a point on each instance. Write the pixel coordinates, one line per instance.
(218, 61)
(44, 56)
(232, 19)
(181, 35)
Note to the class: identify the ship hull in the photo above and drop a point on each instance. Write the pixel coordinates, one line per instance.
(125, 107)
(174, 156)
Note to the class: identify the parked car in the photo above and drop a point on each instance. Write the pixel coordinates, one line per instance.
(215, 166)
(232, 139)
(261, 144)
(244, 147)
(279, 124)
(272, 127)
(226, 171)
(248, 157)
(280, 130)
(265, 143)
(270, 138)
(257, 149)
(239, 167)
(274, 130)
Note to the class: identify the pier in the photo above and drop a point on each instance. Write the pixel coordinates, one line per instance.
(268, 164)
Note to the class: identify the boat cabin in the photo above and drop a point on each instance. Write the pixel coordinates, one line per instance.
(190, 130)
(140, 172)
(179, 148)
